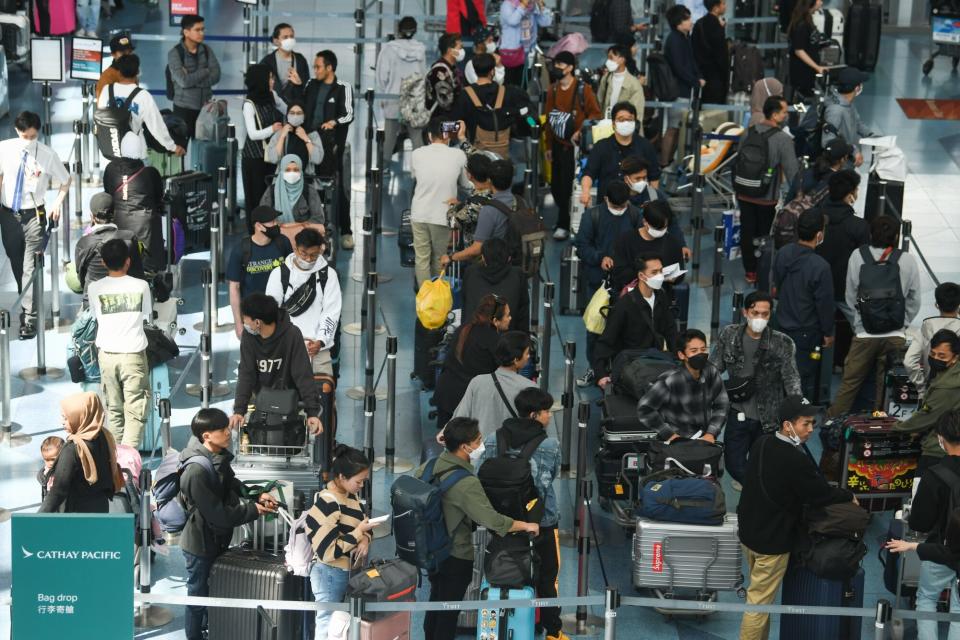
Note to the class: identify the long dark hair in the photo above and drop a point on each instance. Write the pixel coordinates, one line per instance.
(802, 13)
(257, 81)
(348, 462)
(492, 307)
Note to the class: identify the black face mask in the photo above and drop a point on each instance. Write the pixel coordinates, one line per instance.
(937, 366)
(272, 232)
(699, 361)
(556, 74)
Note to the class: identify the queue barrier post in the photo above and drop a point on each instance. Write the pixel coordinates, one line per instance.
(696, 216)
(6, 409)
(148, 616)
(232, 151)
(569, 356)
(216, 248)
(54, 245)
(164, 409)
(736, 305)
(78, 155)
(40, 307)
(583, 418)
(906, 235)
(611, 604)
(546, 338)
(359, 23)
(390, 448)
(356, 615)
(583, 551)
(717, 282)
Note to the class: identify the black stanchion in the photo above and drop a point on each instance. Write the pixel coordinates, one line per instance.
(359, 23)
(369, 415)
(906, 235)
(546, 336)
(164, 409)
(583, 418)
(583, 552)
(534, 164)
(390, 449)
(736, 305)
(566, 437)
(46, 94)
(356, 616)
(232, 152)
(717, 282)
(881, 623)
(535, 304)
(695, 132)
(78, 154)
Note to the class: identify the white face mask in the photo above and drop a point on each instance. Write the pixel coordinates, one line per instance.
(291, 177)
(499, 73)
(306, 265)
(295, 119)
(795, 439)
(287, 44)
(639, 186)
(491, 47)
(757, 325)
(940, 442)
(611, 65)
(461, 54)
(476, 453)
(656, 233)
(616, 212)
(655, 282)
(626, 128)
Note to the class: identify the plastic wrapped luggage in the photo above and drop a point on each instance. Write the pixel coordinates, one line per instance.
(877, 462)
(259, 576)
(802, 587)
(393, 627)
(516, 624)
(861, 43)
(208, 156)
(573, 284)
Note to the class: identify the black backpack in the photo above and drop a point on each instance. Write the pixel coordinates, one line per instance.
(526, 234)
(508, 483)
(112, 123)
(304, 295)
(880, 299)
(662, 81)
(600, 21)
(753, 173)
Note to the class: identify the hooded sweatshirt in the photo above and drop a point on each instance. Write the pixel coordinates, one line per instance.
(843, 234)
(503, 280)
(398, 59)
(804, 287)
(214, 507)
(942, 396)
(544, 463)
(277, 362)
(916, 358)
(843, 119)
(319, 321)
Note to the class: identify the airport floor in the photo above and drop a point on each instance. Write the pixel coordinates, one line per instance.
(933, 154)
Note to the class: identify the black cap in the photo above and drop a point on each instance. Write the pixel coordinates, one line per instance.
(837, 148)
(264, 213)
(850, 77)
(121, 42)
(566, 58)
(101, 205)
(794, 407)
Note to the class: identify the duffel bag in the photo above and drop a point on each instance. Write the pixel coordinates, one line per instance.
(635, 370)
(841, 520)
(699, 457)
(511, 562)
(833, 558)
(684, 500)
(384, 581)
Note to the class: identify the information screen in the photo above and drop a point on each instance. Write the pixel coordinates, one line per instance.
(86, 59)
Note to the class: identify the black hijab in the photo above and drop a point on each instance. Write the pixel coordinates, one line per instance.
(257, 80)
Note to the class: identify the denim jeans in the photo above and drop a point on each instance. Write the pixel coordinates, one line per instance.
(934, 578)
(198, 577)
(329, 584)
(738, 438)
(88, 14)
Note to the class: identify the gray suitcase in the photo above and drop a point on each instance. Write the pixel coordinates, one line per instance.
(668, 556)
(573, 284)
(468, 619)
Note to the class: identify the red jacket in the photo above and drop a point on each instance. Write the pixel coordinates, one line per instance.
(457, 12)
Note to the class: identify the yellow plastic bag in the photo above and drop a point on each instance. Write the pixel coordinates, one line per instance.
(595, 315)
(434, 302)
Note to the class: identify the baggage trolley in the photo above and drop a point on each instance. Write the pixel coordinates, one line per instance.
(876, 464)
(621, 457)
(944, 37)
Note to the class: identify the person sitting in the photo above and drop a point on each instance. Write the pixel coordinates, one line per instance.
(947, 296)
(651, 238)
(641, 319)
(495, 275)
(781, 480)
(291, 195)
(687, 402)
(471, 354)
(294, 139)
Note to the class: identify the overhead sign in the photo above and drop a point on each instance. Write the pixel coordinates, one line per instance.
(180, 8)
(72, 576)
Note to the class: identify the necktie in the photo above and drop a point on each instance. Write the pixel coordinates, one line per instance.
(18, 187)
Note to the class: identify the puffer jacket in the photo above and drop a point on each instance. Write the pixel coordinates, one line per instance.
(775, 374)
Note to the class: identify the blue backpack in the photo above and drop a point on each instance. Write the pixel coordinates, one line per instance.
(171, 513)
(688, 500)
(418, 525)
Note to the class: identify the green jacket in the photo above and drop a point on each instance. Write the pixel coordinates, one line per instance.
(465, 504)
(943, 395)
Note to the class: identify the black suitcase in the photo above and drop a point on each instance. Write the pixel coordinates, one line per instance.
(259, 576)
(803, 587)
(425, 343)
(405, 240)
(861, 38)
(618, 420)
(573, 284)
(193, 195)
(617, 467)
(892, 190)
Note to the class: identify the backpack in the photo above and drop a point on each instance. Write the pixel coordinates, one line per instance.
(600, 21)
(508, 482)
(662, 81)
(498, 140)
(83, 338)
(298, 552)
(833, 558)
(747, 67)
(418, 526)
(526, 234)
(384, 581)
(112, 122)
(303, 296)
(442, 92)
(841, 520)
(753, 173)
(952, 480)
(880, 298)
(171, 513)
(213, 121)
(784, 227)
(413, 101)
(687, 500)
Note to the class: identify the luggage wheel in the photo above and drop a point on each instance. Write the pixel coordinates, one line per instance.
(741, 593)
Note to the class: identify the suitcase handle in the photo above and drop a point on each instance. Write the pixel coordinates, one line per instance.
(263, 616)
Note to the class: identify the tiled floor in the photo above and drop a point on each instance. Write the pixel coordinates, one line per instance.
(933, 153)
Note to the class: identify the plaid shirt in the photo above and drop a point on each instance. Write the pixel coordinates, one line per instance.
(677, 404)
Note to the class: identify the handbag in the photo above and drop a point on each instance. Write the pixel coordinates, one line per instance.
(511, 562)
(511, 58)
(697, 457)
(739, 389)
(562, 123)
(277, 405)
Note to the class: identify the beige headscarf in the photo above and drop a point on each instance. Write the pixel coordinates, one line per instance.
(763, 89)
(84, 422)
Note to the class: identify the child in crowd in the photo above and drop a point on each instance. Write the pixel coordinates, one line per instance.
(49, 450)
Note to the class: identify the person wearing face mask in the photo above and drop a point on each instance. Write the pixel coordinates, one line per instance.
(485, 41)
(803, 286)
(262, 116)
(651, 238)
(252, 260)
(752, 351)
(272, 356)
(465, 505)
(399, 58)
(941, 398)
(520, 22)
(781, 480)
(490, 109)
(840, 117)
(947, 297)
(297, 200)
(603, 164)
(444, 80)
(294, 139)
(303, 269)
(757, 212)
(690, 401)
(288, 66)
(569, 103)
(635, 173)
(641, 319)
(617, 84)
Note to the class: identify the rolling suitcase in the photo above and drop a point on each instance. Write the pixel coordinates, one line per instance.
(802, 587)
(425, 343)
(260, 576)
(208, 156)
(392, 627)
(617, 467)
(468, 619)
(573, 284)
(861, 44)
(16, 36)
(405, 240)
(54, 17)
(516, 624)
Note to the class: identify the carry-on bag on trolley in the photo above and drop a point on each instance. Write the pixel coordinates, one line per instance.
(803, 588)
(698, 457)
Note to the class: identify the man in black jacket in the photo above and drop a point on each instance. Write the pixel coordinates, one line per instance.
(444, 80)
(642, 319)
(678, 52)
(328, 110)
(273, 356)
(803, 285)
(494, 274)
(211, 494)
(781, 479)
(711, 52)
(652, 238)
(289, 67)
(89, 266)
(845, 231)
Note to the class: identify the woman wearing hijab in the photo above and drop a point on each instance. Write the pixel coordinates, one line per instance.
(296, 200)
(262, 116)
(293, 138)
(86, 474)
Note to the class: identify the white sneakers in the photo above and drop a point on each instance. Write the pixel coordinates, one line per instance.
(561, 234)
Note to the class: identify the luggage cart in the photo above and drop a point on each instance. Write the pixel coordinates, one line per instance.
(300, 463)
(944, 37)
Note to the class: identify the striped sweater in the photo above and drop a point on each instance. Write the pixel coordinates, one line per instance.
(332, 522)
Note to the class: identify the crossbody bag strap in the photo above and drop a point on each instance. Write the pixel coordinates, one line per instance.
(503, 396)
(501, 92)
(129, 179)
(473, 97)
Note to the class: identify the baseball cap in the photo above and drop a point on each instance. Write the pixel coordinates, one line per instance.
(794, 407)
(838, 148)
(121, 42)
(100, 204)
(264, 213)
(850, 77)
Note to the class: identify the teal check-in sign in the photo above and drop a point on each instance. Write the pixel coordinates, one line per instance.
(72, 576)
